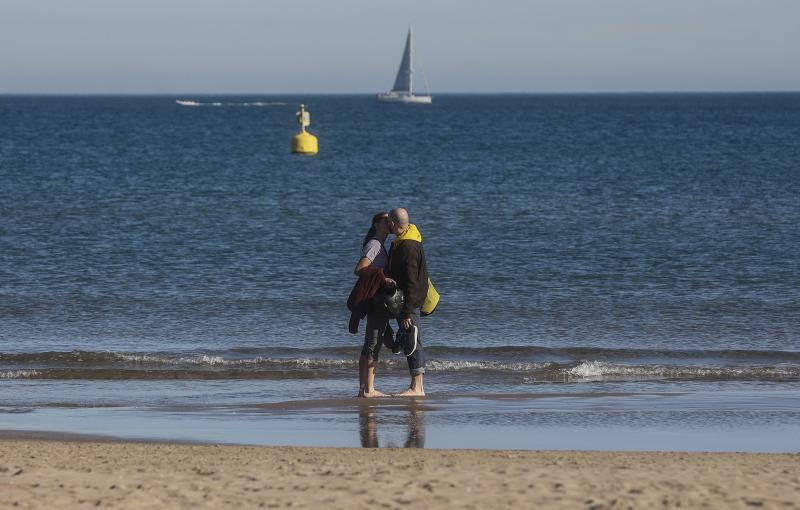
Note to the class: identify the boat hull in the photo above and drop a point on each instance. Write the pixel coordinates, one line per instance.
(390, 97)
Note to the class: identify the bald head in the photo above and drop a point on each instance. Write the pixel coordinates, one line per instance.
(398, 220)
(399, 216)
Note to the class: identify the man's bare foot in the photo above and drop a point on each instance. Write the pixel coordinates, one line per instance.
(411, 393)
(372, 394)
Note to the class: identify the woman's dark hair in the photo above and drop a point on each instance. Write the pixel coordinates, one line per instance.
(372, 230)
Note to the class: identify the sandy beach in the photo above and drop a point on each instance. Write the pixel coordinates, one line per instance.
(44, 473)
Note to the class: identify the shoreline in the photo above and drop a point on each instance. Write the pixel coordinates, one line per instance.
(585, 421)
(76, 437)
(78, 471)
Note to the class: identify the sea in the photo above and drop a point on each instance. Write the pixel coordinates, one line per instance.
(617, 271)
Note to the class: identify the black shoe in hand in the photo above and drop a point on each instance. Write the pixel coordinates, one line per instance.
(406, 340)
(388, 338)
(397, 346)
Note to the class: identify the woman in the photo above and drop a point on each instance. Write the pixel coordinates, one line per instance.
(374, 256)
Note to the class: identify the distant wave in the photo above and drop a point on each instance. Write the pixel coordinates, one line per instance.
(543, 353)
(111, 374)
(262, 355)
(507, 363)
(618, 354)
(189, 102)
(124, 359)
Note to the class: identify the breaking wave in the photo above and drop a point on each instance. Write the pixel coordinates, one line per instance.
(529, 364)
(18, 374)
(598, 370)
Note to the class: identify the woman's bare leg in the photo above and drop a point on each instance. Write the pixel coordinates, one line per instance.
(371, 391)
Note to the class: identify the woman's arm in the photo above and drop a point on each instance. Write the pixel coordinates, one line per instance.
(364, 262)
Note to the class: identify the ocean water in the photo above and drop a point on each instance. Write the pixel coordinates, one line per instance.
(611, 266)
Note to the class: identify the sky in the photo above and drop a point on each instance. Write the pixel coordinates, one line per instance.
(354, 46)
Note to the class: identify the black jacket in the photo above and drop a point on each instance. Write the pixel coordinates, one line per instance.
(408, 268)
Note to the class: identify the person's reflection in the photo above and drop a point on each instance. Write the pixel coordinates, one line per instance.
(416, 427)
(368, 427)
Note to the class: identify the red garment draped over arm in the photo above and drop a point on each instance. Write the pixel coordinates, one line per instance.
(370, 281)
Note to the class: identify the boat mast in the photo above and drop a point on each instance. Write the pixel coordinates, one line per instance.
(410, 63)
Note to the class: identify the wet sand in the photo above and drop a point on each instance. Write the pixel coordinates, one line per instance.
(73, 472)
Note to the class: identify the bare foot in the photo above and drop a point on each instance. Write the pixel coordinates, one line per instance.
(411, 393)
(372, 394)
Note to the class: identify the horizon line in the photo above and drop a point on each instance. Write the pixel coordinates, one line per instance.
(443, 93)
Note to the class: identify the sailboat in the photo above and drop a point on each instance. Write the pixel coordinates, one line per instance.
(403, 89)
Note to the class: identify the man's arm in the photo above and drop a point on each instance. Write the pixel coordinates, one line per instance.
(412, 287)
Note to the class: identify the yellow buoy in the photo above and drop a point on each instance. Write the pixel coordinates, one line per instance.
(304, 142)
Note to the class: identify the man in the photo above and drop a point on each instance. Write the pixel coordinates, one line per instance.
(407, 267)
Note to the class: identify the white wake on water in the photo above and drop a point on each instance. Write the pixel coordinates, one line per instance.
(189, 102)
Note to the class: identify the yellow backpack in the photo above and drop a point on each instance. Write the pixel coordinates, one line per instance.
(431, 300)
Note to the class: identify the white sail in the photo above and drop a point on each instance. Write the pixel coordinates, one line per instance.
(402, 83)
(403, 89)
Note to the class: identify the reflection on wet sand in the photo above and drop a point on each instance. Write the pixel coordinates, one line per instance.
(368, 426)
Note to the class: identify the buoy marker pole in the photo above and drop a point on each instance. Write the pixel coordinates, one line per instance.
(304, 142)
